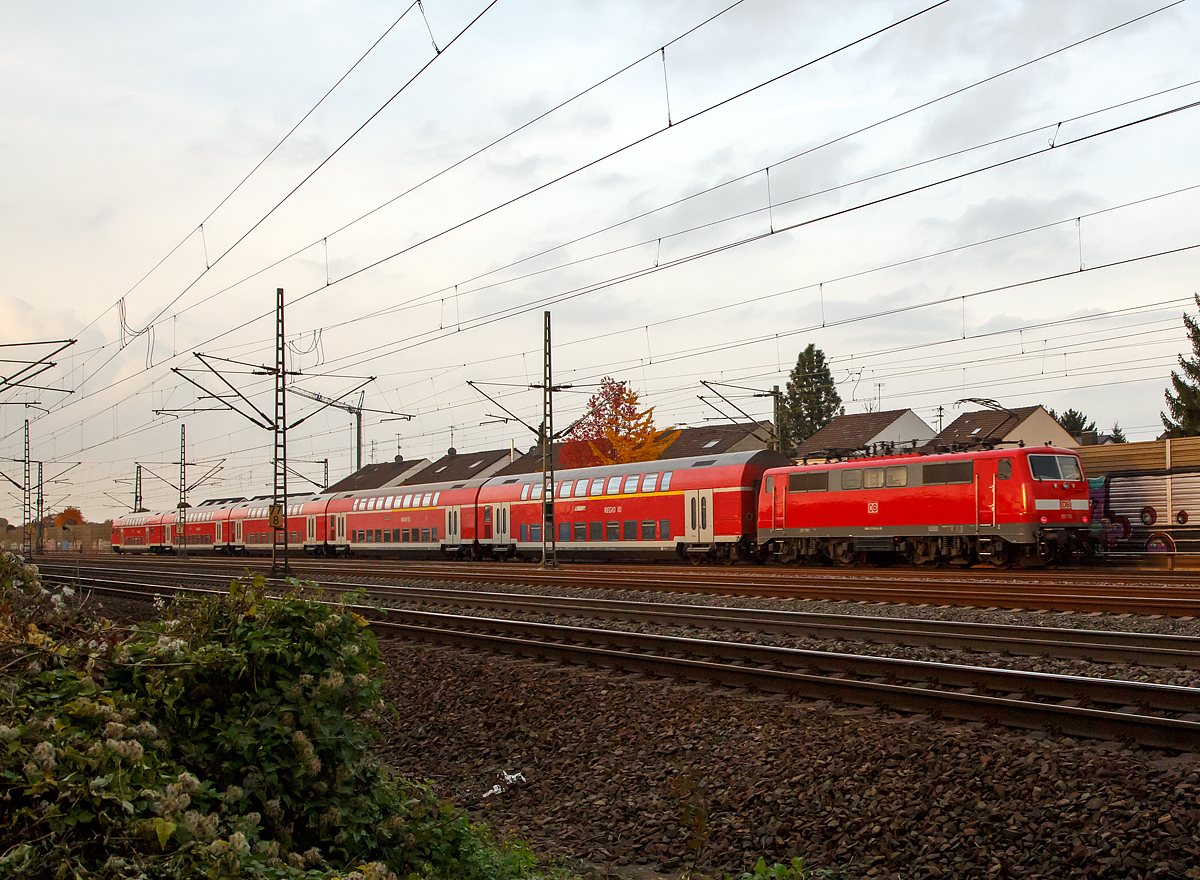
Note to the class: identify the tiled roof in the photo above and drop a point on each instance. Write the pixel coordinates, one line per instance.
(704, 440)
(716, 439)
(848, 432)
(985, 424)
(373, 476)
(461, 466)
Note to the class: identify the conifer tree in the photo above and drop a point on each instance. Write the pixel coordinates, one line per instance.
(1184, 404)
(811, 401)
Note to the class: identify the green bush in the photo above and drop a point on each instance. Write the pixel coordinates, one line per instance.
(230, 738)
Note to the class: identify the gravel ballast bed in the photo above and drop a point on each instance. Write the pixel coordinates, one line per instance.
(861, 792)
(1027, 663)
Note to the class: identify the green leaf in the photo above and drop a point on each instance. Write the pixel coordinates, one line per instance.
(164, 829)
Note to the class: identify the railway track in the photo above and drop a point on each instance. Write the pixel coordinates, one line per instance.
(1146, 649)
(1173, 594)
(1150, 714)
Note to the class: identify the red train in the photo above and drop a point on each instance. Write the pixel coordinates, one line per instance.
(1005, 506)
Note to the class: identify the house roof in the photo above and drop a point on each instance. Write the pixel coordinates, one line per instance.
(691, 442)
(716, 439)
(985, 424)
(374, 476)
(461, 466)
(848, 432)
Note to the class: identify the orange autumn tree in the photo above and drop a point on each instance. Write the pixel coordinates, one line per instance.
(69, 516)
(614, 431)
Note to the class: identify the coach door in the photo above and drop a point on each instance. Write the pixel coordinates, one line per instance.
(698, 516)
(340, 537)
(500, 524)
(311, 534)
(453, 525)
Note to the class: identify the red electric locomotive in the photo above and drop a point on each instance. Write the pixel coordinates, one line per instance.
(1002, 506)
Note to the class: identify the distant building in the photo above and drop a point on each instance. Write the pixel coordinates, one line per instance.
(1028, 426)
(376, 476)
(691, 442)
(455, 466)
(897, 429)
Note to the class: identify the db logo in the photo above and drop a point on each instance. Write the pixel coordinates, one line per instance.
(1064, 504)
(872, 507)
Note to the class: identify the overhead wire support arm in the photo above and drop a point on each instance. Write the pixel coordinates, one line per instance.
(771, 435)
(536, 431)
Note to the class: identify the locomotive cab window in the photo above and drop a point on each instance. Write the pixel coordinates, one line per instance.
(1055, 467)
(1004, 469)
(769, 486)
(852, 478)
(896, 477)
(873, 478)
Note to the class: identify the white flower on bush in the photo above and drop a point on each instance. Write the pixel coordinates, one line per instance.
(238, 845)
(8, 734)
(43, 755)
(188, 782)
(126, 748)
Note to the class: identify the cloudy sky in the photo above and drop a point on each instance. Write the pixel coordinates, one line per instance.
(951, 200)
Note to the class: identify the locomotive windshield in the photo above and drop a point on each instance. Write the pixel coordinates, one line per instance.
(1055, 467)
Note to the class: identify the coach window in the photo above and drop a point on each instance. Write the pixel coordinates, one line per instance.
(852, 478)
(387, 536)
(595, 531)
(487, 515)
(693, 514)
(535, 532)
(404, 537)
(873, 478)
(581, 488)
(666, 482)
(612, 531)
(425, 501)
(1004, 469)
(614, 486)
(649, 482)
(387, 504)
(536, 494)
(631, 484)
(648, 530)
(370, 536)
(896, 476)
(597, 487)
(664, 530)
(525, 491)
(564, 489)
(424, 536)
(769, 486)
(580, 531)
(629, 532)
(433, 534)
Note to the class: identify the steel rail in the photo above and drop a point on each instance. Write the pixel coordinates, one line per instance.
(1157, 650)
(1177, 600)
(829, 676)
